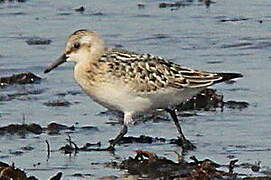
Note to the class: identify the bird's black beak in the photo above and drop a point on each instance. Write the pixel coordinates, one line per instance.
(56, 63)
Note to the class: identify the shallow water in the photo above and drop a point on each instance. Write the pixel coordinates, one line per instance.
(196, 36)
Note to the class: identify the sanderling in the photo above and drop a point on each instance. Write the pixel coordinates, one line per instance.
(132, 82)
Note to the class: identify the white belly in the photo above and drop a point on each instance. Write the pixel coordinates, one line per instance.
(117, 95)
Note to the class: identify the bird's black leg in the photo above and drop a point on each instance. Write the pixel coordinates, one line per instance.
(113, 142)
(186, 144)
(128, 118)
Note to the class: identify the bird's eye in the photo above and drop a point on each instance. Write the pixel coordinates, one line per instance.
(76, 45)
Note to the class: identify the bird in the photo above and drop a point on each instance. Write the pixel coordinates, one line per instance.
(131, 82)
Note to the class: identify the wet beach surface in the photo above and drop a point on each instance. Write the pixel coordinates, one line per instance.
(229, 36)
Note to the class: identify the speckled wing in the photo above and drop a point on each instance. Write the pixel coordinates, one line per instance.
(148, 73)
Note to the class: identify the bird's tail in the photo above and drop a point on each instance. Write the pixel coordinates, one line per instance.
(228, 76)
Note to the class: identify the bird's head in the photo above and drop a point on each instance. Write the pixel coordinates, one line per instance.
(82, 46)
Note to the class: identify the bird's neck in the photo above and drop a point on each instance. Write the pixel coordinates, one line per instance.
(95, 53)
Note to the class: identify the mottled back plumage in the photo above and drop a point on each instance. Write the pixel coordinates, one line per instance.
(151, 73)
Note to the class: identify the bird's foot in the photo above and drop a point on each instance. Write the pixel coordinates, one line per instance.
(110, 148)
(186, 144)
